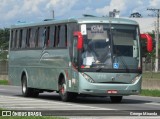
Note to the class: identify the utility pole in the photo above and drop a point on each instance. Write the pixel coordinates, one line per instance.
(157, 12)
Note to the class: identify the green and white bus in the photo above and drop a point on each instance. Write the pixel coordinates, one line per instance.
(98, 56)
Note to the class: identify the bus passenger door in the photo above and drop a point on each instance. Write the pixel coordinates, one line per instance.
(75, 80)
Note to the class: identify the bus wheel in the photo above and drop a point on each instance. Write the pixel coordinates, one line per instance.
(65, 96)
(28, 92)
(116, 99)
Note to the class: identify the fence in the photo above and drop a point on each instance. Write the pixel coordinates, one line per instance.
(4, 67)
(149, 65)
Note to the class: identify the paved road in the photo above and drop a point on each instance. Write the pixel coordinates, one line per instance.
(10, 98)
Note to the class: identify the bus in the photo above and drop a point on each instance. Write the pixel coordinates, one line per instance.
(95, 56)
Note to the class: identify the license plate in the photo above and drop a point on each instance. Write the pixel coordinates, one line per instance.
(112, 91)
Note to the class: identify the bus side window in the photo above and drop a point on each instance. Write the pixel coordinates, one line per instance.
(24, 35)
(51, 36)
(15, 39)
(66, 36)
(28, 38)
(36, 37)
(55, 36)
(56, 42)
(17, 42)
(63, 36)
(20, 38)
(32, 38)
(12, 39)
(46, 36)
(41, 37)
(58, 36)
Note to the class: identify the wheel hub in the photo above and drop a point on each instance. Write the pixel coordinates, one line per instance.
(24, 87)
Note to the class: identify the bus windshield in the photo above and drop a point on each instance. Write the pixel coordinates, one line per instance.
(111, 47)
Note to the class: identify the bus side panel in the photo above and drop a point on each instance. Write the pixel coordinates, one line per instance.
(24, 61)
(42, 68)
(52, 63)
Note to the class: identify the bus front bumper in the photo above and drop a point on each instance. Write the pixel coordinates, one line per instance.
(108, 89)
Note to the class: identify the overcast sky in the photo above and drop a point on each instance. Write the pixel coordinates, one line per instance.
(12, 11)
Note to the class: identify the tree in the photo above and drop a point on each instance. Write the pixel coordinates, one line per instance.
(4, 43)
(146, 54)
(4, 39)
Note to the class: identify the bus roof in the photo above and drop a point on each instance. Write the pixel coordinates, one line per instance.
(78, 20)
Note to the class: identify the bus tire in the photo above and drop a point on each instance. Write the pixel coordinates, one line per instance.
(116, 99)
(28, 92)
(64, 94)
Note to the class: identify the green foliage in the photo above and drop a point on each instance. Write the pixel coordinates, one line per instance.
(4, 39)
(3, 55)
(154, 93)
(4, 82)
(4, 43)
(146, 54)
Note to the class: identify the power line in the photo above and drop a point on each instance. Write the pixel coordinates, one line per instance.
(157, 12)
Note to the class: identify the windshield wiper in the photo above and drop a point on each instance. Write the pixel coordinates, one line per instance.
(99, 69)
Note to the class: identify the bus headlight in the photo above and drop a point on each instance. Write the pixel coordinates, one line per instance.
(136, 78)
(88, 78)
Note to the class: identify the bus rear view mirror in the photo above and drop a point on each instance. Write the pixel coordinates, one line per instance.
(79, 40)
(149, 42)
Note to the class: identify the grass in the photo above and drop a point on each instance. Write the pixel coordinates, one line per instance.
(153, 93)
(151, 75)
(3, 82)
